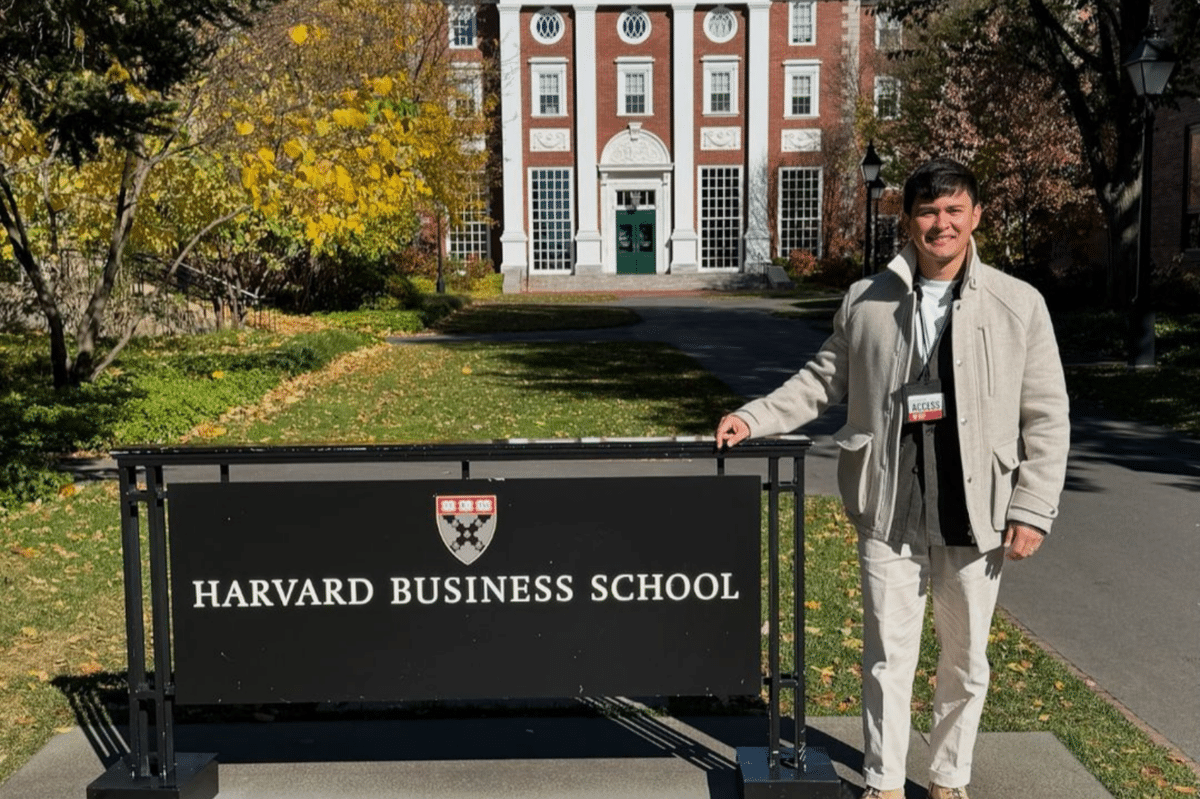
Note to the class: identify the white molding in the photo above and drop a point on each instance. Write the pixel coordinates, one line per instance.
(721, 138)
(549, 140)
(801, 140)
(587, 236)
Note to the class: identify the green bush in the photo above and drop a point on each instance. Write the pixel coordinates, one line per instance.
(157, 390)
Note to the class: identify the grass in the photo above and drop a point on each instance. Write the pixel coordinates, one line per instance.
(61, 621)
(1167, 394)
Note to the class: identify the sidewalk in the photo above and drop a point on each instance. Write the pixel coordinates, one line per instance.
(640, 757)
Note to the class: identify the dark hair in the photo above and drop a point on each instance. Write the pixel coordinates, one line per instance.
(938, 178)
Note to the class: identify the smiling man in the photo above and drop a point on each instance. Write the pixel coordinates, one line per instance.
(953, 458)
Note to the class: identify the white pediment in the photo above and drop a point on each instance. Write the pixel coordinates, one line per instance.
(635, 147)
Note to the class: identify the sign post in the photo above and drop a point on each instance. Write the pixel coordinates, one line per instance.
(403, 587)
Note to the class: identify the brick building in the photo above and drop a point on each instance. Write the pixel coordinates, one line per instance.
(1175, 193)
(669, 143)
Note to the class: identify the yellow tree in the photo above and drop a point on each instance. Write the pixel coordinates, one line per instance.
(349, 116)
(88, 109)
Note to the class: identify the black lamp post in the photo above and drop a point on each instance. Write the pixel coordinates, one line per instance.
(1150, 66)
(871, 165)
(874, 192)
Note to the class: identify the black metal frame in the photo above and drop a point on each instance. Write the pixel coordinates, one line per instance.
(154, 767)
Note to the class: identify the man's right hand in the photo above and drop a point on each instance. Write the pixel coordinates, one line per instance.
(731, 430)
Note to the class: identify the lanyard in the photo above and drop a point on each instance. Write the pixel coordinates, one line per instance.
(929, 349)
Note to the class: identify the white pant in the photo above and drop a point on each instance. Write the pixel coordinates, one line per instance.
(964, 584)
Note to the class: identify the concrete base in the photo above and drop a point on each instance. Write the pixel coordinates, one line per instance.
(817, 780)
(195, 778)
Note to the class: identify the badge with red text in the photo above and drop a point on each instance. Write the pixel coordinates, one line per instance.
(924, 401)
(466, 524)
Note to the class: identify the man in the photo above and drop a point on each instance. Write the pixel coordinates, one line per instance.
(953, 456)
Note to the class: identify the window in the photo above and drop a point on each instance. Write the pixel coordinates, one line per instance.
(633, 26)
(635, 82)
(887, 97)
(468, 92)
(462, 26)
(720, 217)
(799, 215)
(803, 22)
(471, 238)
(802, 81)
(889, 35)
(720, 85)
(720, 25)
(549, 86)
(1191, 228)
(547, 26)
(551, 227)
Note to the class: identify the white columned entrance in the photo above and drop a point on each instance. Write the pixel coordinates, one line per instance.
(587, 239)
(758, 234)
(635, 160)
(684, 241)
(513, 241)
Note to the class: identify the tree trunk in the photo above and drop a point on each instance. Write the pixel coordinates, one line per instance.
(133, 178)
(14, 226)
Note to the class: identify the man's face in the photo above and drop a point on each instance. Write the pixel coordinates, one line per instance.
(941, 230)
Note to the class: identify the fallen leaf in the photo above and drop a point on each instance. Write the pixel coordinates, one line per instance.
(1188, 789)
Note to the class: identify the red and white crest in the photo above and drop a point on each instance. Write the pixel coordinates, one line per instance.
(466, 524)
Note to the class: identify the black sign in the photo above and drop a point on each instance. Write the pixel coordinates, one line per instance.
(372, 591)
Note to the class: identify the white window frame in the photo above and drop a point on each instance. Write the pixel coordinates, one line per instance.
(884, 85)
(885, 24)
(716, 64)
(811, 69)
(626, 14)
(711, 16)
(460, 12)
(635, 65)
(793, 6)
(533, 26)
(787, 225)
(737, 228)
(469, 81)
(560, 224)
(473, 235)
(547, 66)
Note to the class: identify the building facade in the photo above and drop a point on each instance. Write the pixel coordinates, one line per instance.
(669, 138)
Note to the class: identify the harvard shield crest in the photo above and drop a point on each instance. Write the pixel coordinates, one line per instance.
(466, 524)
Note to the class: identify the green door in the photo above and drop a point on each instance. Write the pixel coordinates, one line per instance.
(635, 242)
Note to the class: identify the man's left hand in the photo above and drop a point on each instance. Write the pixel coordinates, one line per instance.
(1021, 540)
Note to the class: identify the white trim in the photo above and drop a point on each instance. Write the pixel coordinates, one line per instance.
(458, 11)
(721, 138)
(812, 6)
(801, 140)
(810, 69)
(711, 16)
(624, 16)
(781, 223)
(547, 66)
(635, 65)
(570, 220)
(721, 63)
(533, 25)
(882, 84)
(685, 257)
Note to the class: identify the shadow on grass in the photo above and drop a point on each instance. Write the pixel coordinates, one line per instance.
(684, 397)
(100, 703)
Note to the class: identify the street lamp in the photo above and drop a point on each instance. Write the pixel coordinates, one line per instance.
(874, 192)
(1150, 66)
(871, 165)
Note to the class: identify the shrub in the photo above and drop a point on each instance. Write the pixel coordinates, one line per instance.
(802, 264)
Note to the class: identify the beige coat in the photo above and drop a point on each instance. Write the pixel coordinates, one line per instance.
(1010, 396)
